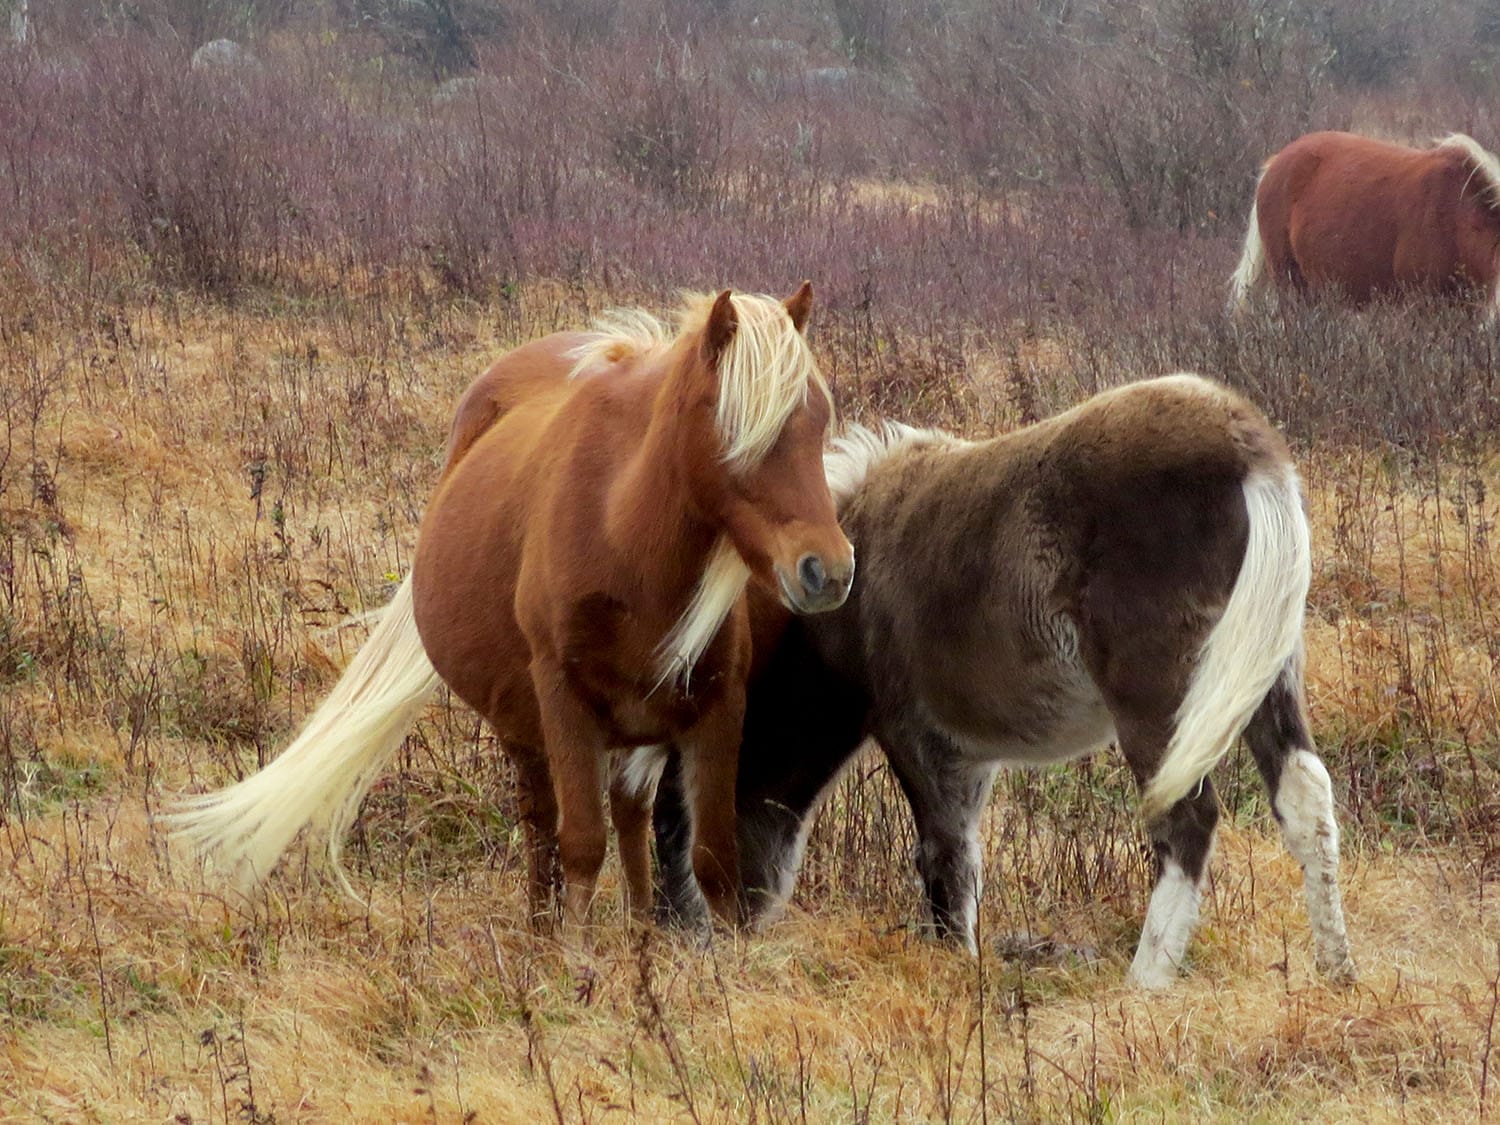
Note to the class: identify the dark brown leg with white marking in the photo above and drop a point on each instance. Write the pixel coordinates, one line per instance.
(803, 724)
(947, 794)
(1182, 840)
(1302, 798)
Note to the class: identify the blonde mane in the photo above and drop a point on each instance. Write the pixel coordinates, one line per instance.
(1482, 160)
(616, 335)
(765, 373)
(724, 580)
(860, 448)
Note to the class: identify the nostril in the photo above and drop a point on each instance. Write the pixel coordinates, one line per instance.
(812, 575)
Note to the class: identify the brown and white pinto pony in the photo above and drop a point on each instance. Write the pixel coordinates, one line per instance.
(1343, 214)
(579, 580)
(1133, 570)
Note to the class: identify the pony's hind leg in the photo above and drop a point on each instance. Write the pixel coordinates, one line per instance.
(1181, 841)
(1302, 799)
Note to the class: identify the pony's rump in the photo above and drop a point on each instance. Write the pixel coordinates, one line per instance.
(1258, 634)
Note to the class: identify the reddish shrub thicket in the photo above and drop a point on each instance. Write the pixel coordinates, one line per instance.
(995, 172)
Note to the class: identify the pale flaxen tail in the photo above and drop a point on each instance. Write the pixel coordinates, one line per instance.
(321, 778)
(1260, 631)
(1243, 282)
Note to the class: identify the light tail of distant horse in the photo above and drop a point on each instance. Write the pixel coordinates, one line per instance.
(1259, 634)
(321, 778)
(1247, 275)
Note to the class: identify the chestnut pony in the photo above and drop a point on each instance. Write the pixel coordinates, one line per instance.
(1360, 217)
(580, 581)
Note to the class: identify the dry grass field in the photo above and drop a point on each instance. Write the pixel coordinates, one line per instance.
(200, 497)
(237, 306)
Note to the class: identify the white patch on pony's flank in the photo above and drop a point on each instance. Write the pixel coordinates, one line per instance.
(615, 335)
(765, 373)
(859, 448)
(1247, 648)
(321, 778)
(1484, 163)
(1248, 273)
(719, 590)
(1170, 921)
(642, 769)
(1304, 801)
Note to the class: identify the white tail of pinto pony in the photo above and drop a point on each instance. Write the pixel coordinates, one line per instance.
(1260, 631)
(321, 778)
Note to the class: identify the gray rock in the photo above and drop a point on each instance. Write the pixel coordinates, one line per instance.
(224, 55)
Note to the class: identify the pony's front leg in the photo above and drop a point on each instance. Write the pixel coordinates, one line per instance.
(947, 796)
(710, 761)
(630, 800)
(680, 901)
(575, 750)
(537, 805)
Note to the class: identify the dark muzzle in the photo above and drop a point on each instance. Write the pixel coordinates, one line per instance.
(818, 588)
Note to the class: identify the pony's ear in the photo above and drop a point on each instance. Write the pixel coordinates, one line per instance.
(799, 304)
(719, 330)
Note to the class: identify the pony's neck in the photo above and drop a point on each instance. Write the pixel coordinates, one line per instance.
(651, 514)
(697, 576)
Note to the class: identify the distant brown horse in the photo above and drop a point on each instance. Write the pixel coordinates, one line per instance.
(1134, 570)
(580, 581)
(1359, 217)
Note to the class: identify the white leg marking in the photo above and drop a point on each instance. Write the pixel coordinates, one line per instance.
(770, 907)
(642, 769)
(1170, 921)
(768, 853)
(1304, 800)
(968, 917)
(961, 871)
